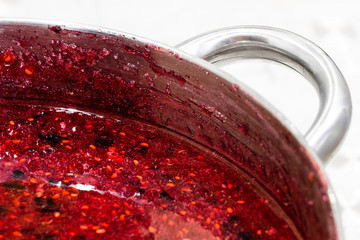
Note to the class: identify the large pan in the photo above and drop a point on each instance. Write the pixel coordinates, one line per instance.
(180, 90)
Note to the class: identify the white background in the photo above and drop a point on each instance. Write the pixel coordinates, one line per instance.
(333, 25)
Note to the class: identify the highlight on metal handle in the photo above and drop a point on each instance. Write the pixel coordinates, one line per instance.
(333, 118)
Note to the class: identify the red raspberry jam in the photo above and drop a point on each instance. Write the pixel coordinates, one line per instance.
(69, 174)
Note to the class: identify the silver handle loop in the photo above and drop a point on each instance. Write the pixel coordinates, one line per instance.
(333, 118)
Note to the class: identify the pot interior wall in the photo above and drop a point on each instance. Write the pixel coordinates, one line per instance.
(124, 76)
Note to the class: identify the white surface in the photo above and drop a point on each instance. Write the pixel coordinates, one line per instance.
(333, 25)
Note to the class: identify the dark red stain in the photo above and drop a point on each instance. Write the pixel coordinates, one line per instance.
(157, 69)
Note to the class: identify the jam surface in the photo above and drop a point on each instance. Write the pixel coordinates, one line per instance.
(69, 174)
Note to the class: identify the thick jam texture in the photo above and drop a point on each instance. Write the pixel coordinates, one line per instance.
(68, 174)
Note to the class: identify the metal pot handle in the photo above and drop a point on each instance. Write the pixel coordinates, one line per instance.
(333, 118)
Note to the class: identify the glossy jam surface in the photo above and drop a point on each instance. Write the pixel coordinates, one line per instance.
(73, 175)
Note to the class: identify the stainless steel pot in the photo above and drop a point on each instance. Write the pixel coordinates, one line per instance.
(191, 97)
